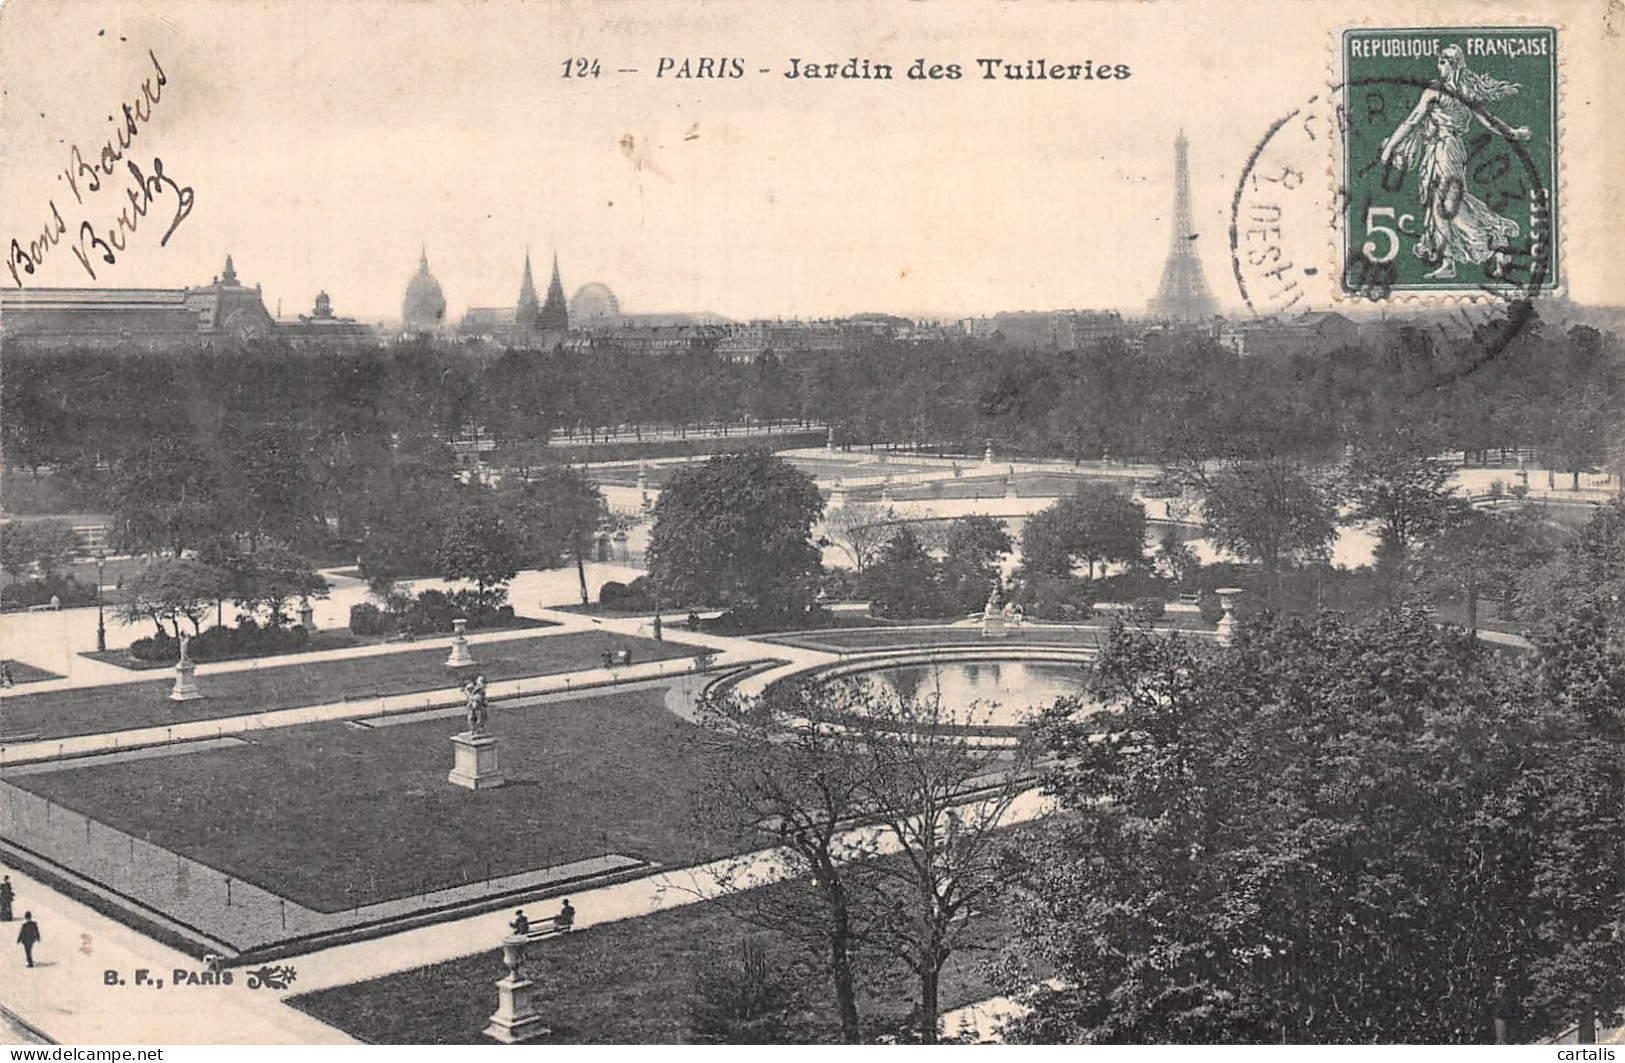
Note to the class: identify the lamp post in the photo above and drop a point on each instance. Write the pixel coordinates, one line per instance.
(101, 621)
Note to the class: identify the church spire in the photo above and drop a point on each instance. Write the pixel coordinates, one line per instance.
(528, 313)
(554, 316)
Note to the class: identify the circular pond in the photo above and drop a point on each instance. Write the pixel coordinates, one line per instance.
(996, 694)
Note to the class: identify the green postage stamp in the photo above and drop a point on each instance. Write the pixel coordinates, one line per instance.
(1450, 168)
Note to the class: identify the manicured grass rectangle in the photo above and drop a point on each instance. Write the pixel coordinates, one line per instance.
(95, 710)
(635, 982)
(334, 816)
(26, 673)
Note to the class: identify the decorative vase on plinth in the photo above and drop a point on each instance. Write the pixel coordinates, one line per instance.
(474, 765)
(186, 688)
(460, 657)
(515, 1019)
(1227, 623)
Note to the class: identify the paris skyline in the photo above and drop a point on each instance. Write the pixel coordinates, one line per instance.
(750, 197)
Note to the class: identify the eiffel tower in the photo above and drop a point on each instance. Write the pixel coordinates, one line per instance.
(1183, 294)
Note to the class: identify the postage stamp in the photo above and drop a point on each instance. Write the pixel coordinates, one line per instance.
(1449, 142)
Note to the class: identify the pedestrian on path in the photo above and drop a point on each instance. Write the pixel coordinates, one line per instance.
(28, 937)
(7, 895)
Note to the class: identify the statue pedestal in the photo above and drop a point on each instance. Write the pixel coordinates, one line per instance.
(515, 1019)
(186, 688)
(475, 766)
(993, 626)
(460, 657)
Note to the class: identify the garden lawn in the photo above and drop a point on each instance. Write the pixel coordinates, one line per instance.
(95, 710)
(334, 816)
(636, 981)
(25, 673)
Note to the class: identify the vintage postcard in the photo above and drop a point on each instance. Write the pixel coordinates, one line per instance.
(579, 522)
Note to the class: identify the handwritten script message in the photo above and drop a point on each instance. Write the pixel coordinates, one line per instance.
(109, 168)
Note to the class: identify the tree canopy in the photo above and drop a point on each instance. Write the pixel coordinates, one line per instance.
(1095, 524)
(1328, 832)
(737, 531)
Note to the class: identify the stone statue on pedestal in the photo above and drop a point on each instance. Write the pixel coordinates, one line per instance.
(479, 712)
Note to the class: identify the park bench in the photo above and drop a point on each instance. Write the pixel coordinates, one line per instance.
(613, 658)
(562, 923)
(1190, 599)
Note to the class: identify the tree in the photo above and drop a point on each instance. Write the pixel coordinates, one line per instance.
(404, 520)
(48, 544)
(790, 767)
(904, 582)
(1475, 551)
(270, 492)
(1270, 511)
(1178, 559)
(555, 511)
(1328, 832)
(1399, 487)
(922, 770)
(1580, 633)
(478, 545)
(1095, 524)
(273, 576)
(860, 530)
(975, 547)
(737, 531)
(165, 495)
(169, 588)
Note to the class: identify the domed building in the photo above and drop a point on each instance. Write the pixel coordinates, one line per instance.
(424, 309)
(593, 301)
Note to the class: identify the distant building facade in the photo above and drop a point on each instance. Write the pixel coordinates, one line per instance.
(1047, 330)
(221, 312)
(321, 328)
(1319, 332)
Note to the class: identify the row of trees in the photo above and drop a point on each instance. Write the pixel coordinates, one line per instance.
(290, 437)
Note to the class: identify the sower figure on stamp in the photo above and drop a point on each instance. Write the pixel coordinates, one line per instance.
(28, 936)
(1456, 225)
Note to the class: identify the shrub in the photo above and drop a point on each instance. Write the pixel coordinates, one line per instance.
(1049, 597)
(368, 619)
(432, 611)
(247, 639)
(742, 997)
(1147, 610)
(28, 593)
(636, 596)
(1208, 604)
(1137, 583)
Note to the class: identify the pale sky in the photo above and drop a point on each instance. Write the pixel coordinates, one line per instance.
(327, 142)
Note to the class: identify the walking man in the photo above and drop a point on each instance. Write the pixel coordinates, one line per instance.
(7, 895)
(28, 937)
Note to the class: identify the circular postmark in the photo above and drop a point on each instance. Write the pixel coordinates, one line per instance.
(1324, 210)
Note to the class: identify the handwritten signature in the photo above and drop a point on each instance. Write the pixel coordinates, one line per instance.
(85, 178)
